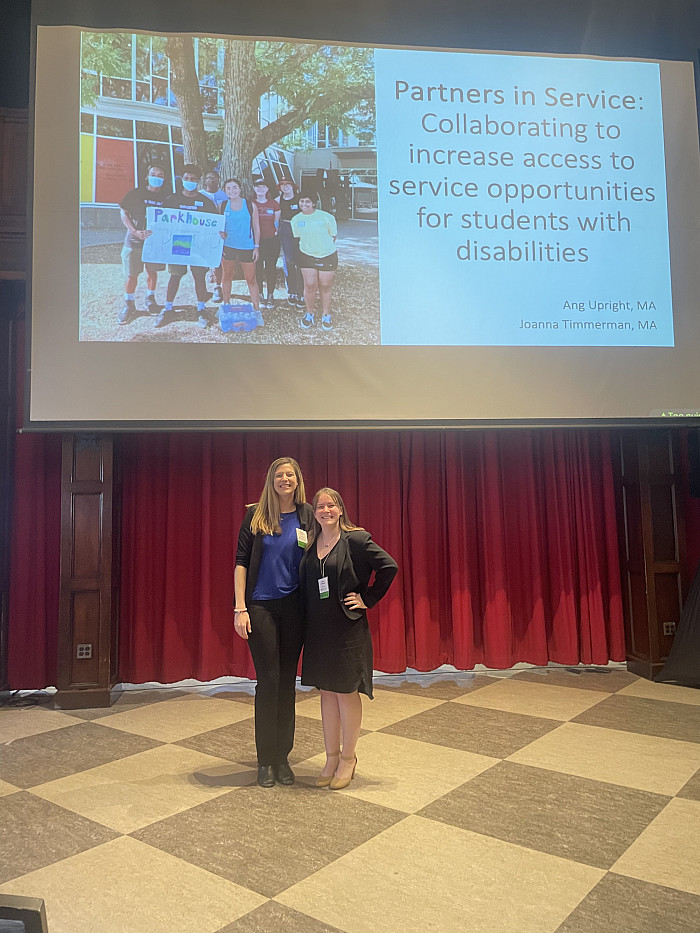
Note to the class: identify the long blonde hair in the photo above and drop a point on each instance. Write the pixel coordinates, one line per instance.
(266, 517)
(345, 523)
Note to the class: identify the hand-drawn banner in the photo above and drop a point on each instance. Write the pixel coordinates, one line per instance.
(186, 238)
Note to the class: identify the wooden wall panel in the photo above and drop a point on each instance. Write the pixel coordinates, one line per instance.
(87, 665)
(13, 193)
(652, 543)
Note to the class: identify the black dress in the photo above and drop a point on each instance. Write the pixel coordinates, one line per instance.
(337, 650)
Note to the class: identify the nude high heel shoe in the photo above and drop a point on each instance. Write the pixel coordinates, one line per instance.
(323, 781)
(340, 783)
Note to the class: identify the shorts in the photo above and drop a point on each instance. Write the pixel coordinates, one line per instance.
(231, 254)
(324, 264)
(132, 264)
(182, 270)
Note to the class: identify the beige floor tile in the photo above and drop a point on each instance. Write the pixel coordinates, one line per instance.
(633, 760)
(125, 886)
(178, 719)
(670, 692)
(532, 699)
(134, 792)
(22, 722)
(430, 877)
(6, 789)
(667, 852)
(386, 708)
(407, 775)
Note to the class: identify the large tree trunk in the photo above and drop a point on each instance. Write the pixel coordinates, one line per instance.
(241, 103)
(185, 85)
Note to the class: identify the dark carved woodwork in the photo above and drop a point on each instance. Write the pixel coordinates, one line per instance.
(87, 606)
(13, 193)
(11, 309)
(652, 544)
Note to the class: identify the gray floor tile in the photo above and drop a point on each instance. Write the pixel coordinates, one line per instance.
(571, 817)
(625, 905)
(38, 759)
(36, 833)
(605, 680)
(276, 918)
(269, 838)
(473, 729)
(691, 791)
(648, 717)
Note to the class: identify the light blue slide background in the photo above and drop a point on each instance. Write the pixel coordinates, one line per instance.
(430, 297)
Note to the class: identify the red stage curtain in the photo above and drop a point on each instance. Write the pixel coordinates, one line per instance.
(506, 542)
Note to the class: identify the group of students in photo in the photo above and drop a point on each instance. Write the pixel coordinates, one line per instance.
(255, 232)
(305, 576)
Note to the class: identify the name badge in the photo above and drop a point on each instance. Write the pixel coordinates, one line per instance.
(302, 537)
(323, 590)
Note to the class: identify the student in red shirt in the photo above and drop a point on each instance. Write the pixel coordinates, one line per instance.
(266, 267)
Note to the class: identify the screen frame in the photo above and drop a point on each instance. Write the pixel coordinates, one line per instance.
(133, 17)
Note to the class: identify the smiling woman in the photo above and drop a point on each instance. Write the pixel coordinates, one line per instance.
(267, 611)
(336, 591)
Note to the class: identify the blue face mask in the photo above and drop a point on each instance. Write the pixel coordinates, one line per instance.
(154, 181)
(189, 185)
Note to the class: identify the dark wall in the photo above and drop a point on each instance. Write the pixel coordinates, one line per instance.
(644, 28)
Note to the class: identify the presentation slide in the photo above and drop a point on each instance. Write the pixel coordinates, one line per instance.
(436, 236)
(532, 191)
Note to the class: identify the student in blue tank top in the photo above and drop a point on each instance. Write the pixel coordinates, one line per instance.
(241, 236)
(267, 610)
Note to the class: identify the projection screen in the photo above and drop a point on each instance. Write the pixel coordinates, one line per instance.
(516, 235)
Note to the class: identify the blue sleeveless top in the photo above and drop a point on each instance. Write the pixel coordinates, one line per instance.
(238, 225)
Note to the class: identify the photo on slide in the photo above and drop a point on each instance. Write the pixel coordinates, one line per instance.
(305, 269)
(406, 197)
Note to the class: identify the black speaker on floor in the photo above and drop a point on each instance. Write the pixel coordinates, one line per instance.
(694, 462)
(22, 914)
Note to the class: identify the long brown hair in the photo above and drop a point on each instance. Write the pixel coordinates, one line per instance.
(345, 523)
(266, 517)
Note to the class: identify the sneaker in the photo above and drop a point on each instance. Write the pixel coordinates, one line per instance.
(165, 317)
(218, 295)
(269, 304)
(292, 300)
(326, 322)
(127, 312)
(203, 320)
(152, 306)
(307, 321)
(301, 304)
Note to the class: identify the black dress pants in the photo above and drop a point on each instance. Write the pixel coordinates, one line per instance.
(275, 640)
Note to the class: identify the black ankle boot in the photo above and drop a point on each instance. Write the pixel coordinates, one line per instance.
(284, 774)
(266, 776)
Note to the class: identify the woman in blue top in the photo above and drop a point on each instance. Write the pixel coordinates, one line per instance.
(241, 237)
(267, 609)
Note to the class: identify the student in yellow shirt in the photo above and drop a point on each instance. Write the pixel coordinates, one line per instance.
(318, 259)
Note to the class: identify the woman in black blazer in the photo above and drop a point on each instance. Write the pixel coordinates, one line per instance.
(335, 576)
(267, 609)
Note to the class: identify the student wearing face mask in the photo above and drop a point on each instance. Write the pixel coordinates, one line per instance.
(190, 199)
(133, 214)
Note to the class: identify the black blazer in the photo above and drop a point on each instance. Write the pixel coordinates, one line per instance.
(250, 546)
(356, 557)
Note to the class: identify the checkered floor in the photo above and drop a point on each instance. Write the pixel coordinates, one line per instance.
(525, 802)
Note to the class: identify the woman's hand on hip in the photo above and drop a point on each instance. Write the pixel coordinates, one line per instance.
(241, 623)
(354, 601)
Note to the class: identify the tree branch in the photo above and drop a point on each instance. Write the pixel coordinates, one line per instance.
(294, 118)
(290, 64)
